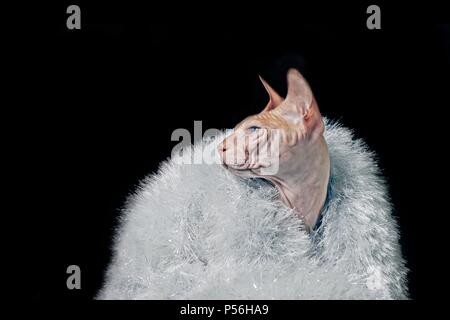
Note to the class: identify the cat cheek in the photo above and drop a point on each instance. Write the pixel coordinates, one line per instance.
(253, 161)
(264, 162)
(253, 139)
(253, 145)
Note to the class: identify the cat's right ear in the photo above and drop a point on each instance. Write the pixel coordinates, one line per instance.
(274, 98)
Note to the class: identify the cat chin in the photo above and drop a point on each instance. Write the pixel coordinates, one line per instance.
(246, 173)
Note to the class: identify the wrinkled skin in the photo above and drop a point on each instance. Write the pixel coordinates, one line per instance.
(284, 144)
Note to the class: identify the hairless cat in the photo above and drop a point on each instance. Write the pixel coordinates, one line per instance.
(180, 238)
(304, 163)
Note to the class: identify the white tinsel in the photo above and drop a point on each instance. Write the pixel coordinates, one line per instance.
(199, 232)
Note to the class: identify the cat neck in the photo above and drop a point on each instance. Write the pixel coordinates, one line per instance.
(304, 186)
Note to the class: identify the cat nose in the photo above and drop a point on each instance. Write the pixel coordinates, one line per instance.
(221, 150)
(222, 147)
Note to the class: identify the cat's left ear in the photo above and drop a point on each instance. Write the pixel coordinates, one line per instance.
(274, 98)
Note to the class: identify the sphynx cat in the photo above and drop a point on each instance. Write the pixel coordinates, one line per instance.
(303, 160)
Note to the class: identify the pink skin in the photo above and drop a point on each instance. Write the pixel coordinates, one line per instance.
(303, 160)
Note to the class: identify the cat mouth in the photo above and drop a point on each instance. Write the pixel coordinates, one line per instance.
(252, 177)
(246, 172)
(234, 168)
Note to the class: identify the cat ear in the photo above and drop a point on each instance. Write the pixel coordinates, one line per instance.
(274, 98)
(299, 93)
(300, 105)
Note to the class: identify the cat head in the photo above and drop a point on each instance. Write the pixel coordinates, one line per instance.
(275, 141)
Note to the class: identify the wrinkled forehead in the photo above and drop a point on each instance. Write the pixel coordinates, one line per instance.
(266, 119)
(263, 118)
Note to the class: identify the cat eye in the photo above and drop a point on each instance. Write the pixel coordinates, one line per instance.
(253, 128)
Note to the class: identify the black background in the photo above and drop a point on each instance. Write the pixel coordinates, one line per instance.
(97, 106)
